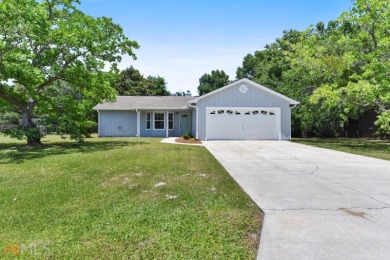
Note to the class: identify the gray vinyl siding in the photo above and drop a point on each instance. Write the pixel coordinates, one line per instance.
(117, 123)
(253, 97)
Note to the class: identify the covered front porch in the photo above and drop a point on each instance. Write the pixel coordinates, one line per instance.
(160, 123)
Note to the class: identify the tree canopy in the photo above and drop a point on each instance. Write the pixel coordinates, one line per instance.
(132, 83)
(213, 81)
(337, 71)
(52, 60)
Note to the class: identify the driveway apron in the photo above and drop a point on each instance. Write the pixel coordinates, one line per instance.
(318, 203)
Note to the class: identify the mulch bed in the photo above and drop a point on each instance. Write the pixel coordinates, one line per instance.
(184, 141)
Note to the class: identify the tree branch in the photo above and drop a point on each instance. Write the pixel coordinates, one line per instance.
(11, 99)
(51, 80)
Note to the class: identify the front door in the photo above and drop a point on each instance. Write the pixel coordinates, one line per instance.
(184, 123)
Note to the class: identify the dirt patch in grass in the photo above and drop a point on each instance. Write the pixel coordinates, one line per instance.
(189, 141)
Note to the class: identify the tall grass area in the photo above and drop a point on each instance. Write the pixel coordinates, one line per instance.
(121, 198)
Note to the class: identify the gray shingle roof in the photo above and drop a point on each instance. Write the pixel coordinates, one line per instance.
(146, 102)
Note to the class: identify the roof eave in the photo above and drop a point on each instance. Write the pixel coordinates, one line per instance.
(270, 91)
(144, 108)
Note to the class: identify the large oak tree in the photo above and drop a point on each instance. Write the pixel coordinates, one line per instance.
(51, 55)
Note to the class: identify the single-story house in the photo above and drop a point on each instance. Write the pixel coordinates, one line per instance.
(240, 110)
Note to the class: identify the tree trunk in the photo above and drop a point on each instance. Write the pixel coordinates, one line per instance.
(30, 129)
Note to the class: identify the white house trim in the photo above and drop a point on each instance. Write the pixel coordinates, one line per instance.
(196, 120)
(166, 123)
(173, 120)
(98, 122)
(154, 121)
(138, 123)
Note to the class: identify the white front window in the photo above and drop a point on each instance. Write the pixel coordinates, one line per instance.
(159, 123)
(170, 121)
(148, 121)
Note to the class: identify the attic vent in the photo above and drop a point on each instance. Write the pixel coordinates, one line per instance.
(243, 88)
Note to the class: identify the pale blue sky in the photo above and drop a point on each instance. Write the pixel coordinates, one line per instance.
(181, 40)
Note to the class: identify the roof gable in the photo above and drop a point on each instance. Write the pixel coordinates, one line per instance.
(249, 82)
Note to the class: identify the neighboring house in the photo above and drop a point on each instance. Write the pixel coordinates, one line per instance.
(240, 110)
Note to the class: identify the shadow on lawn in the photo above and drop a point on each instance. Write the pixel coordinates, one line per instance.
(17, 153)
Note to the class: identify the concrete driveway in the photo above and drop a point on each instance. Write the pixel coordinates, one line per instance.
(318, 203)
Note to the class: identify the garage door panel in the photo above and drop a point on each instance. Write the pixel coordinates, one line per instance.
(242, 123)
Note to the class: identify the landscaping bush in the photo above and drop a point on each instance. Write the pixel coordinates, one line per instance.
(187, 136)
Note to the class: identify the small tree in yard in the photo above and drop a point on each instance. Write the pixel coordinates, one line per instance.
(52, 58)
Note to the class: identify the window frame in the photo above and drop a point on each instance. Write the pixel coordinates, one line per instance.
(173, 121)
(150, 121)
(154, 120)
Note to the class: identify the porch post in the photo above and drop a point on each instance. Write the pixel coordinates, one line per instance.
(138, 123)
(166, 123)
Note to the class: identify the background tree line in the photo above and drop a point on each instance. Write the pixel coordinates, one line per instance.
(130, 82)
(339, 71)
(53, 59)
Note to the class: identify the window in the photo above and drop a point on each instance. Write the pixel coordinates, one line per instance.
(229, 112)
(170, 121)
(159, 121)
(148, 121)
(255, 112)
(221, 112)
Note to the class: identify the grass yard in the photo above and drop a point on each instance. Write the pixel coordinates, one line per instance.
(367, 147)
(121, 198)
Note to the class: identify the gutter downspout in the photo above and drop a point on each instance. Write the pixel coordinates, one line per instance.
(197, 120)
(294, 106)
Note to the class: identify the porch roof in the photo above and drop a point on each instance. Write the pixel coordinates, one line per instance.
(147, 103)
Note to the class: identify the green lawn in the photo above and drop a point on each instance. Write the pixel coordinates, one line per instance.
(99, 200)
(367, 147)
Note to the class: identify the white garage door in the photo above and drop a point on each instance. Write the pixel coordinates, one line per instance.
(243, 123)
